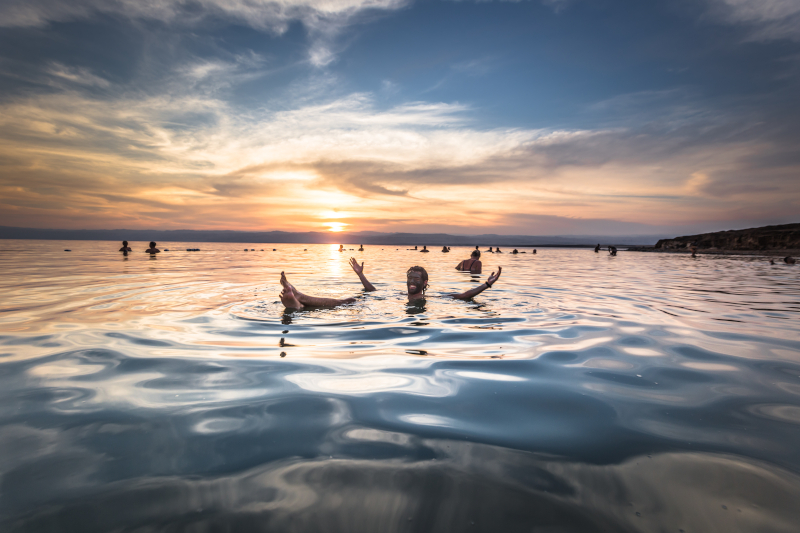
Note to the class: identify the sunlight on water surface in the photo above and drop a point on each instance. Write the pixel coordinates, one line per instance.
(583, 392)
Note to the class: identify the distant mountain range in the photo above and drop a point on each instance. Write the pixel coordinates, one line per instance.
(319, 237)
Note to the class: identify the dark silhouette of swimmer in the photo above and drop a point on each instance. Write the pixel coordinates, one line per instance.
(771, 261)
(789, 260)
(445, 249)
(534, 250)
(361, 249)
(425, 249)
(416, 284)
(612, 250)
(597, 249)
(153, 250)
(693, 248)
(473, 264)
(125, 247)
(490, 250)
(341, 247)
(515, 251)
(497, 250)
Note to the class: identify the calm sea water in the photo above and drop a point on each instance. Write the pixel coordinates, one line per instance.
(583, 392)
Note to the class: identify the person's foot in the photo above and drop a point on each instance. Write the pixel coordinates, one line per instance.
(288, 298)
(285, 283)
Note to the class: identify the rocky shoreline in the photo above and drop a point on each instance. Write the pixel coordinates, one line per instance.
(780, 240)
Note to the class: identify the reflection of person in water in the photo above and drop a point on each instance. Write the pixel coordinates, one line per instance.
(416, 284)
(473, 264)
(153, 250)
(125, 247)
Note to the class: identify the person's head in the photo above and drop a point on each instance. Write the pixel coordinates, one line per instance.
(152, 244)
(416, 280)
(124, 243)
(476, 254)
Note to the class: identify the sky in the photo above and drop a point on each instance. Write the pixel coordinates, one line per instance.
(529, 117)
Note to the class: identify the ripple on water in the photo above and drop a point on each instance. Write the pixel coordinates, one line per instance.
(582, 393)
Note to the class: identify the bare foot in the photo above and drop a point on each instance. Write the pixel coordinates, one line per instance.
(285, 283)
(288, 298)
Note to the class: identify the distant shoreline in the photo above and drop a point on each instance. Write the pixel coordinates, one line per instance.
(315, 237)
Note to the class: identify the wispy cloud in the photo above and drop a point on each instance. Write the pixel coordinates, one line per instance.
(324, 20)
(768, 19)
(191, 159)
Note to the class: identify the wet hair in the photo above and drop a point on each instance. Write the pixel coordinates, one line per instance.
(420, 270)
(125, 243)
(152, 244)
(476, 254)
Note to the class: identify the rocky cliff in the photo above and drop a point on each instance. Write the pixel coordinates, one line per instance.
(785, 237)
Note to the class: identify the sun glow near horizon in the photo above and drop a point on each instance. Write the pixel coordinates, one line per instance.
(336, 226)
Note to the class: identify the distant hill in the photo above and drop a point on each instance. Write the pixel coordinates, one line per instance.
(319, 237)
(783, 237)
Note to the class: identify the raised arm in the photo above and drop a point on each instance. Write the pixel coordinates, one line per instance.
(359, 269)
(480, 288)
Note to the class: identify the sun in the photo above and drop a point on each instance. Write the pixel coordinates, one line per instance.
(336, 226)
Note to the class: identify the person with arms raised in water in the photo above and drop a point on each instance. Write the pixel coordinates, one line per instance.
(473, 264)
(416, 284)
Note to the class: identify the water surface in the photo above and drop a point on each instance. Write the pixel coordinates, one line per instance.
(583, 392)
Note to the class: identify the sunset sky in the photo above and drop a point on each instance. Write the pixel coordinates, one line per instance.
(540, 117)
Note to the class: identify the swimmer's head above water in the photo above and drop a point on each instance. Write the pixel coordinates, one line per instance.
(416, 280)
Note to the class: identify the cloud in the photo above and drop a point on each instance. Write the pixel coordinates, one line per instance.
(768, 19)
(324, 20)
(185, 157)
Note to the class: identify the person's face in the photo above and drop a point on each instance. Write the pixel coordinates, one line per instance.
(414, 283)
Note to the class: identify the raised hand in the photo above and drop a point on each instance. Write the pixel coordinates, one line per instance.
(355, 266)
(493, 277)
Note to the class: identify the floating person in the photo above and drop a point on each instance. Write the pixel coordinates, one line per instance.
(515, 251)
(473, 264)
(153, 250)
(612, 250)
(597, 248)
(341, 247)
(445, 249)
(424, 249)
(416, 284)
(789, 260)
(361, 249)
(125, 247)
